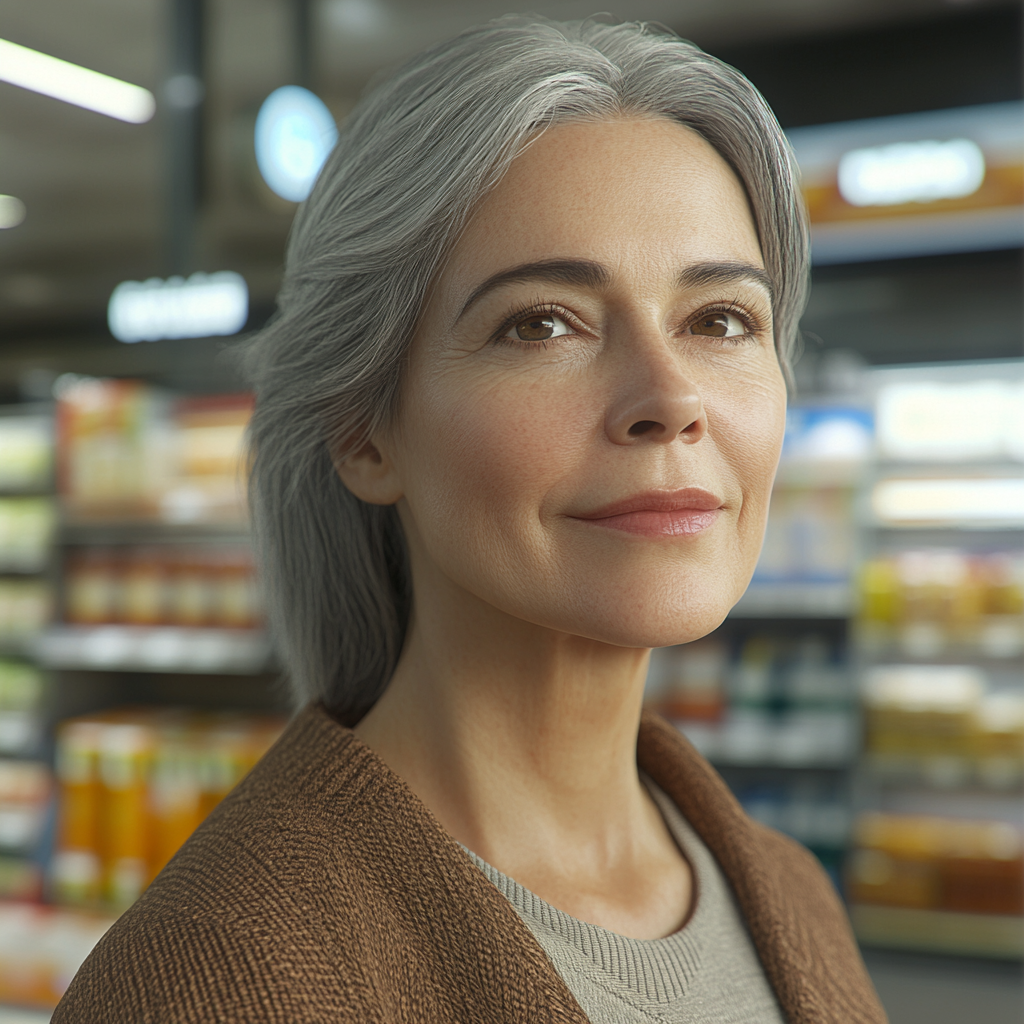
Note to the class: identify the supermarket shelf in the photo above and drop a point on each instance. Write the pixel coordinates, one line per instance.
(18, 1015)
(155, 649)
(761, 764)
(784, 745)
(939, 931)
(794, 600)
(943, 530)
(148, 531)
(946, 773)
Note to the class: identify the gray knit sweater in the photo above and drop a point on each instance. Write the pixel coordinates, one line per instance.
(706, 973)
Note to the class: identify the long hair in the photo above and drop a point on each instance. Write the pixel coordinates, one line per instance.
(411, 163)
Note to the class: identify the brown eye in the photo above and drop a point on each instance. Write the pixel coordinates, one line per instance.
(539, 327)
(718, 325)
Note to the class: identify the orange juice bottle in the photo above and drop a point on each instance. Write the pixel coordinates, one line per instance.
(175, 791)
(125, 755)
(76, 863)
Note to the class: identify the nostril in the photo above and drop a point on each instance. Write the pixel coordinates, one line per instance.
(641, 427)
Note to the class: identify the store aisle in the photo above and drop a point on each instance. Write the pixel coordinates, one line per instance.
(920, 989)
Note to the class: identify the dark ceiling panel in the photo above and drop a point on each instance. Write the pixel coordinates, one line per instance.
(959, 59)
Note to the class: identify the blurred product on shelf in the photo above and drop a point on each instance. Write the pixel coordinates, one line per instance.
(21, 706)
(134, 784)
(26, 453)
(26, 607)
(41, 949)
(943, 724)
(26, 789)
(925, 603)
(809, 536)
(932, 863)
(807, 557)
(814, 811)
(113, 445)
(836, 436)
(26, 533)
(127, 450)
(778, 703)
(210, 447)
(170, 584)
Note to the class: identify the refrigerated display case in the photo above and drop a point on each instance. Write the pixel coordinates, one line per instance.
(938, 641)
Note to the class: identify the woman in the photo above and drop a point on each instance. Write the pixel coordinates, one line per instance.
(517, 423)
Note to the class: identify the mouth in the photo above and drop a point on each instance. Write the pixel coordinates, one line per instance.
(679, 513)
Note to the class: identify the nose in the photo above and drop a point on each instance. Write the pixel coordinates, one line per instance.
(656, 402)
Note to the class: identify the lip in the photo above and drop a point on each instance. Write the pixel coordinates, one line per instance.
(678, 513)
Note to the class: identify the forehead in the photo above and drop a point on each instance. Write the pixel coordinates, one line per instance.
(638, 195)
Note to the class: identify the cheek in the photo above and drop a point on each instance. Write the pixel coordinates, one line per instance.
(482, 453)
(749, 423)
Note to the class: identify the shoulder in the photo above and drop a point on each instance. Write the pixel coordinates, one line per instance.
(320, 890)
(244, 923)
(791, 908)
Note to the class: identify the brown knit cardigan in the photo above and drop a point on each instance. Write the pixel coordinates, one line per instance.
(322, 891)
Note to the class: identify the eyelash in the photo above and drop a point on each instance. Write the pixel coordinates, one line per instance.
(524, 312)
(753, 323)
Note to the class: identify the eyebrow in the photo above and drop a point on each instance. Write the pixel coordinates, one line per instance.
(701, 274)
(579, 272)
(588, 274)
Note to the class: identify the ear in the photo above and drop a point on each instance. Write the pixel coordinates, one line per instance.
(370, 474)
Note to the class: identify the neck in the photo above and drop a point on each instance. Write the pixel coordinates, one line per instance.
(521, 740)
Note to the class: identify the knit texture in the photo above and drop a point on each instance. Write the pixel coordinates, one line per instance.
(323, 891)
(707, 972)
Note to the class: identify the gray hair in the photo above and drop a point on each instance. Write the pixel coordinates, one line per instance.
(412, 161)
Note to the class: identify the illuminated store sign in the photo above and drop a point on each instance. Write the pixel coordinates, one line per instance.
(911, 172)
(295, 133)
(200, 306)
(938, 182)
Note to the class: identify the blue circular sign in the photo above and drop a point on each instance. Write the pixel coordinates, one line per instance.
(294, 135)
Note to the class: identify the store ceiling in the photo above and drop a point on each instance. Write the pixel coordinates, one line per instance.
(93, 187)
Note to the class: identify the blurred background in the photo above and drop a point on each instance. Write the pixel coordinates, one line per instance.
(865, 696)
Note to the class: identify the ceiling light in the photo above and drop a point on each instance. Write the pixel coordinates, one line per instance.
(12, 212)
(360, 18)
(295, 133)
(911, 172)
(202, 306)
(73, 84)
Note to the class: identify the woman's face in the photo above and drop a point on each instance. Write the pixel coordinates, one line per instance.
(592, 411)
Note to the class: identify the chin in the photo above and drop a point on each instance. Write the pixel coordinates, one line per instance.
(667, 631)
(648, 615)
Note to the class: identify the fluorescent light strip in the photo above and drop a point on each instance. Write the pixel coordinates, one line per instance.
(73, 84)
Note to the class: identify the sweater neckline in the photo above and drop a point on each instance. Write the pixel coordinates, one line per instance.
(660, 970)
